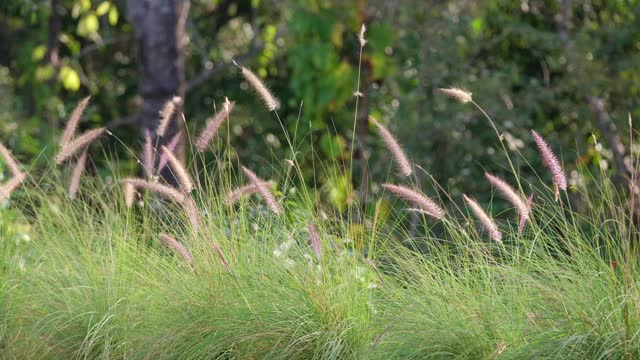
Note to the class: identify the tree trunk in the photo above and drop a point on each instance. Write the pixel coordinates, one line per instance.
(159, 27)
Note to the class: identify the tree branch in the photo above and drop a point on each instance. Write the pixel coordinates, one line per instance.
(205, 75)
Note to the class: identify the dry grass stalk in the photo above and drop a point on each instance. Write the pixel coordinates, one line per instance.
(7, 188)
(129, 194)
(176, 246)
(167, 114)
(77, 174)
(485, 220)
(265, 94)
(172, 145)
(79, 144)
(9, 161)
(164, 190)
(550, 160)
(418, 199)
(212, 125)
(459, 94)
(179, 170)
(148, 155)
(271, 201)
(72, 124)
(314, 239)
(392, 144)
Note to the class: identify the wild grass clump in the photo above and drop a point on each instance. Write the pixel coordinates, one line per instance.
(229, 265)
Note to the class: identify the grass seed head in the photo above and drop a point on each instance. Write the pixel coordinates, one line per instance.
(461, 95)
(184, 179)
(78, 144)
(213, 125)
(272, 202)
(404, 166)
(9, 161)
(78, 169)
(265, 94)
(72, 124)
(167, 114)
(550, 160)
(485, 220)
(418, 199)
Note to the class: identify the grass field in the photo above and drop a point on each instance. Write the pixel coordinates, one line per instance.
(91, 277)
(248, 268)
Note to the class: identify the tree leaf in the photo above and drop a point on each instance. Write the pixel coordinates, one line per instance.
(69, 78)
(113, 16)
(88, 25)
(103, 8)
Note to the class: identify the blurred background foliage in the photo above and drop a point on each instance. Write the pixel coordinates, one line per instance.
(531, 64)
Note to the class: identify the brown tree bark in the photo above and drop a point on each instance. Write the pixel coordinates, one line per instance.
(159, 27)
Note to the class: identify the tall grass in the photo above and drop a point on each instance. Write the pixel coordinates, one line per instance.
(247, 268)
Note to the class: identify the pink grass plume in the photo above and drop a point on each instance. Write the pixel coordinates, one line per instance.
(11, 185)
(488, 223)
(550, 160)
(72, 124)
(176, 246)
(167, 114)
(171, 145)
(213, 125)
(78, 144)
(404, 166)
(418, 199)
(270, 101)
(314, 239)
(78, 169)
(164, 190)
(9, 161)
(272, 202)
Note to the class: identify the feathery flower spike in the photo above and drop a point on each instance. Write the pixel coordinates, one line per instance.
(148, 155)
(525, 217)
(512, 196)
(418, 199)
(176, 246)
(218, 250)
(192, 213)
(461, 95)
(9, 161)
(269, 100)
(234, 195)
(212, 126)
(271, 201)
(7, 188)
(398, 154)
(361, 38)
(129, 194)
(77, 174)
(167, 114)
(70, 130)
(550, 161)
(172, 145)
(179, 170)
(164, 190)
(487, 222)
(316, 245)
(79, 144)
